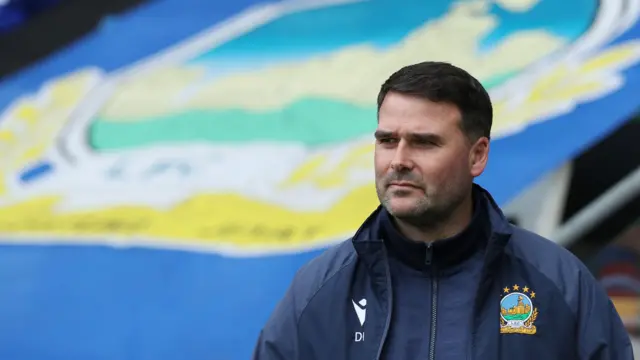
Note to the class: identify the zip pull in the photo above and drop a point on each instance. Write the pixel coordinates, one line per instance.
(428, 258)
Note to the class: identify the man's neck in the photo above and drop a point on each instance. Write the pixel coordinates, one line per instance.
(453, 225)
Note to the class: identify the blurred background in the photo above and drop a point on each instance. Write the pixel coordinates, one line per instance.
(166, 166)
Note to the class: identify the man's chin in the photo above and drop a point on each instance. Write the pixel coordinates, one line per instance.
(402, 208)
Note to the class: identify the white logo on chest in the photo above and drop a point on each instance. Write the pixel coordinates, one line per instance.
(361, 312)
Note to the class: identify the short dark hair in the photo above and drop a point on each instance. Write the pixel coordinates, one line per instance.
(443, 82)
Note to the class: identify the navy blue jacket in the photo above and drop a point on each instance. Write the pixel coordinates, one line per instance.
(532, 300)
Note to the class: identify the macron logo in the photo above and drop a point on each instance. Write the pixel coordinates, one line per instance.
(359, 307)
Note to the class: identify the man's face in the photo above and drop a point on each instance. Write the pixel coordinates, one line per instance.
(424, 163)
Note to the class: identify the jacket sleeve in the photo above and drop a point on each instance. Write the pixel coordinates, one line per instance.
(278, 339)
(601, 333)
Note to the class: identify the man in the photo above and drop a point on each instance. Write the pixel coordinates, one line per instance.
(437, 272)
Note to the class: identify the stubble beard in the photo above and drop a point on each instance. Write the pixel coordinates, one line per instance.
(427, 213)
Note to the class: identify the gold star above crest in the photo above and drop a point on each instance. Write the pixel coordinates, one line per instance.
(533, 295)
(525, 289)
(516, 287)
(506, 290)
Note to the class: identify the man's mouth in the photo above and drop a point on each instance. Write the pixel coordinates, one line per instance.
(403, 184)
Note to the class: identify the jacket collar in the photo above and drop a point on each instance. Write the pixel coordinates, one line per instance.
(370, 246)
(443, 254)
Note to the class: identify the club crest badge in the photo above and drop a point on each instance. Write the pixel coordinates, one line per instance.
(517, 310)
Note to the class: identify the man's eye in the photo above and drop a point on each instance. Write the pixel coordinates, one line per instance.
(387, 141)
(426, 143)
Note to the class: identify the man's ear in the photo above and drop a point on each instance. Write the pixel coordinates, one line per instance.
(478, 156)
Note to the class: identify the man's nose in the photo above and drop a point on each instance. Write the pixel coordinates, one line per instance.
(402, 159)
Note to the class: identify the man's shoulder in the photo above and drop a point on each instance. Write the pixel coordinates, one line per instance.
(552, 261)
(540, 251)
(321, 269)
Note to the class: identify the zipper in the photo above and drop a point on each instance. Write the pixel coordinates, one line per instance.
(428, 257)
(434, 303)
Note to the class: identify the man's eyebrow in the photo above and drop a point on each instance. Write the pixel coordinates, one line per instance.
(382, 134)
(414, 137)
(426, 138)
